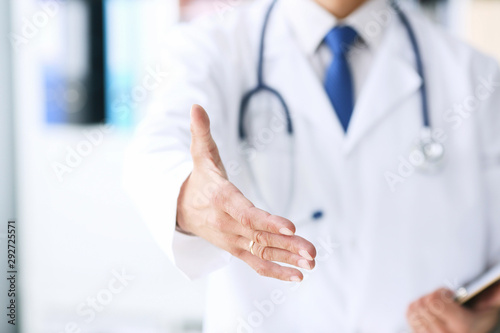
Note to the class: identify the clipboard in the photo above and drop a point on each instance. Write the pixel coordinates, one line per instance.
(468, 292)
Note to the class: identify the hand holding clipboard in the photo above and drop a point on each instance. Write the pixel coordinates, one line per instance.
(472, 308)
(486, 288)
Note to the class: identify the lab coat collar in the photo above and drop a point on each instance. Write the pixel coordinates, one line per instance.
(310, 22)
(392, 80)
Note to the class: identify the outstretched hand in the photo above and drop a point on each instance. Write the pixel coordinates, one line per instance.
(211, 207)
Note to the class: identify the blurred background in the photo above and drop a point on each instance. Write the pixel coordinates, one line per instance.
(71, 91)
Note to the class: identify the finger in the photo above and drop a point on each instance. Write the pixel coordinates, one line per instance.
(427, 323)
(230, 200)
(291, 244)
(416, 322)
(489, 298)
(438, 327)
(274, 254)
(453, 316)
(426, 317)
(443, 305)
(456, 318)
(203, 147)
(411, 316)
(271, 269)
(294, 244)
(417, 319)
(432, 309)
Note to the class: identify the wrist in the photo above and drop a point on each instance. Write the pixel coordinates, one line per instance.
(180, 222)
(178, 228)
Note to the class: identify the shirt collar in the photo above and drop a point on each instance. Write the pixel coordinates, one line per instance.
(310, 22)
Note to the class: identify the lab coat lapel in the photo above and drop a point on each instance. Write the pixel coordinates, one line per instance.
(290, 72)
(392, 80)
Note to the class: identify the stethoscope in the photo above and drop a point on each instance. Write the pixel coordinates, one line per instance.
(429, 151)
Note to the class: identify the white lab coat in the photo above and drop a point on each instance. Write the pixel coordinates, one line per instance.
(379, 247)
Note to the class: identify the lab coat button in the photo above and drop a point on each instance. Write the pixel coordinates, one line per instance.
(317, 215)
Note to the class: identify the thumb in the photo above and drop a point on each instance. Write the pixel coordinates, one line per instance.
(203, 148)
(488, 298)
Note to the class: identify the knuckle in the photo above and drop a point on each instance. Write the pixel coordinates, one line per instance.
(446, 295)
(236, 251)
(245, 219)
(260, 237)
(227, 239)
(436, 306)
(212, 150)
(413, 319)
(412, 308)
(264, 253)
(261, 270)
(435, 296)
(425, 301)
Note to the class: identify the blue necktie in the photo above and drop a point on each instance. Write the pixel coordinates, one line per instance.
(338, 81)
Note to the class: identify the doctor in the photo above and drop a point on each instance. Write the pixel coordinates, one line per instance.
(367, 162)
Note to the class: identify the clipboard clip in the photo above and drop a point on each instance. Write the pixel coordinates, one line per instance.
(461, 295)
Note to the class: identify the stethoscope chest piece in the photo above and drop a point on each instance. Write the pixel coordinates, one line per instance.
(428, 154)
(433, 151)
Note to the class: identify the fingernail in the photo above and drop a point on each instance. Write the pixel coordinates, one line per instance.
(304, 264)
(295, 279)
(286, 231)
(305, 254)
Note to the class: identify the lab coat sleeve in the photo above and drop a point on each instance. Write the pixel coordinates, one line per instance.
(159, 161)
(490, 132)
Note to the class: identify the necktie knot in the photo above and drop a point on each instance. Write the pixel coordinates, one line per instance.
(340, 39)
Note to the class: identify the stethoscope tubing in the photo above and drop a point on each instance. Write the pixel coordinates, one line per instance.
(261, 86)
(419, 63)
